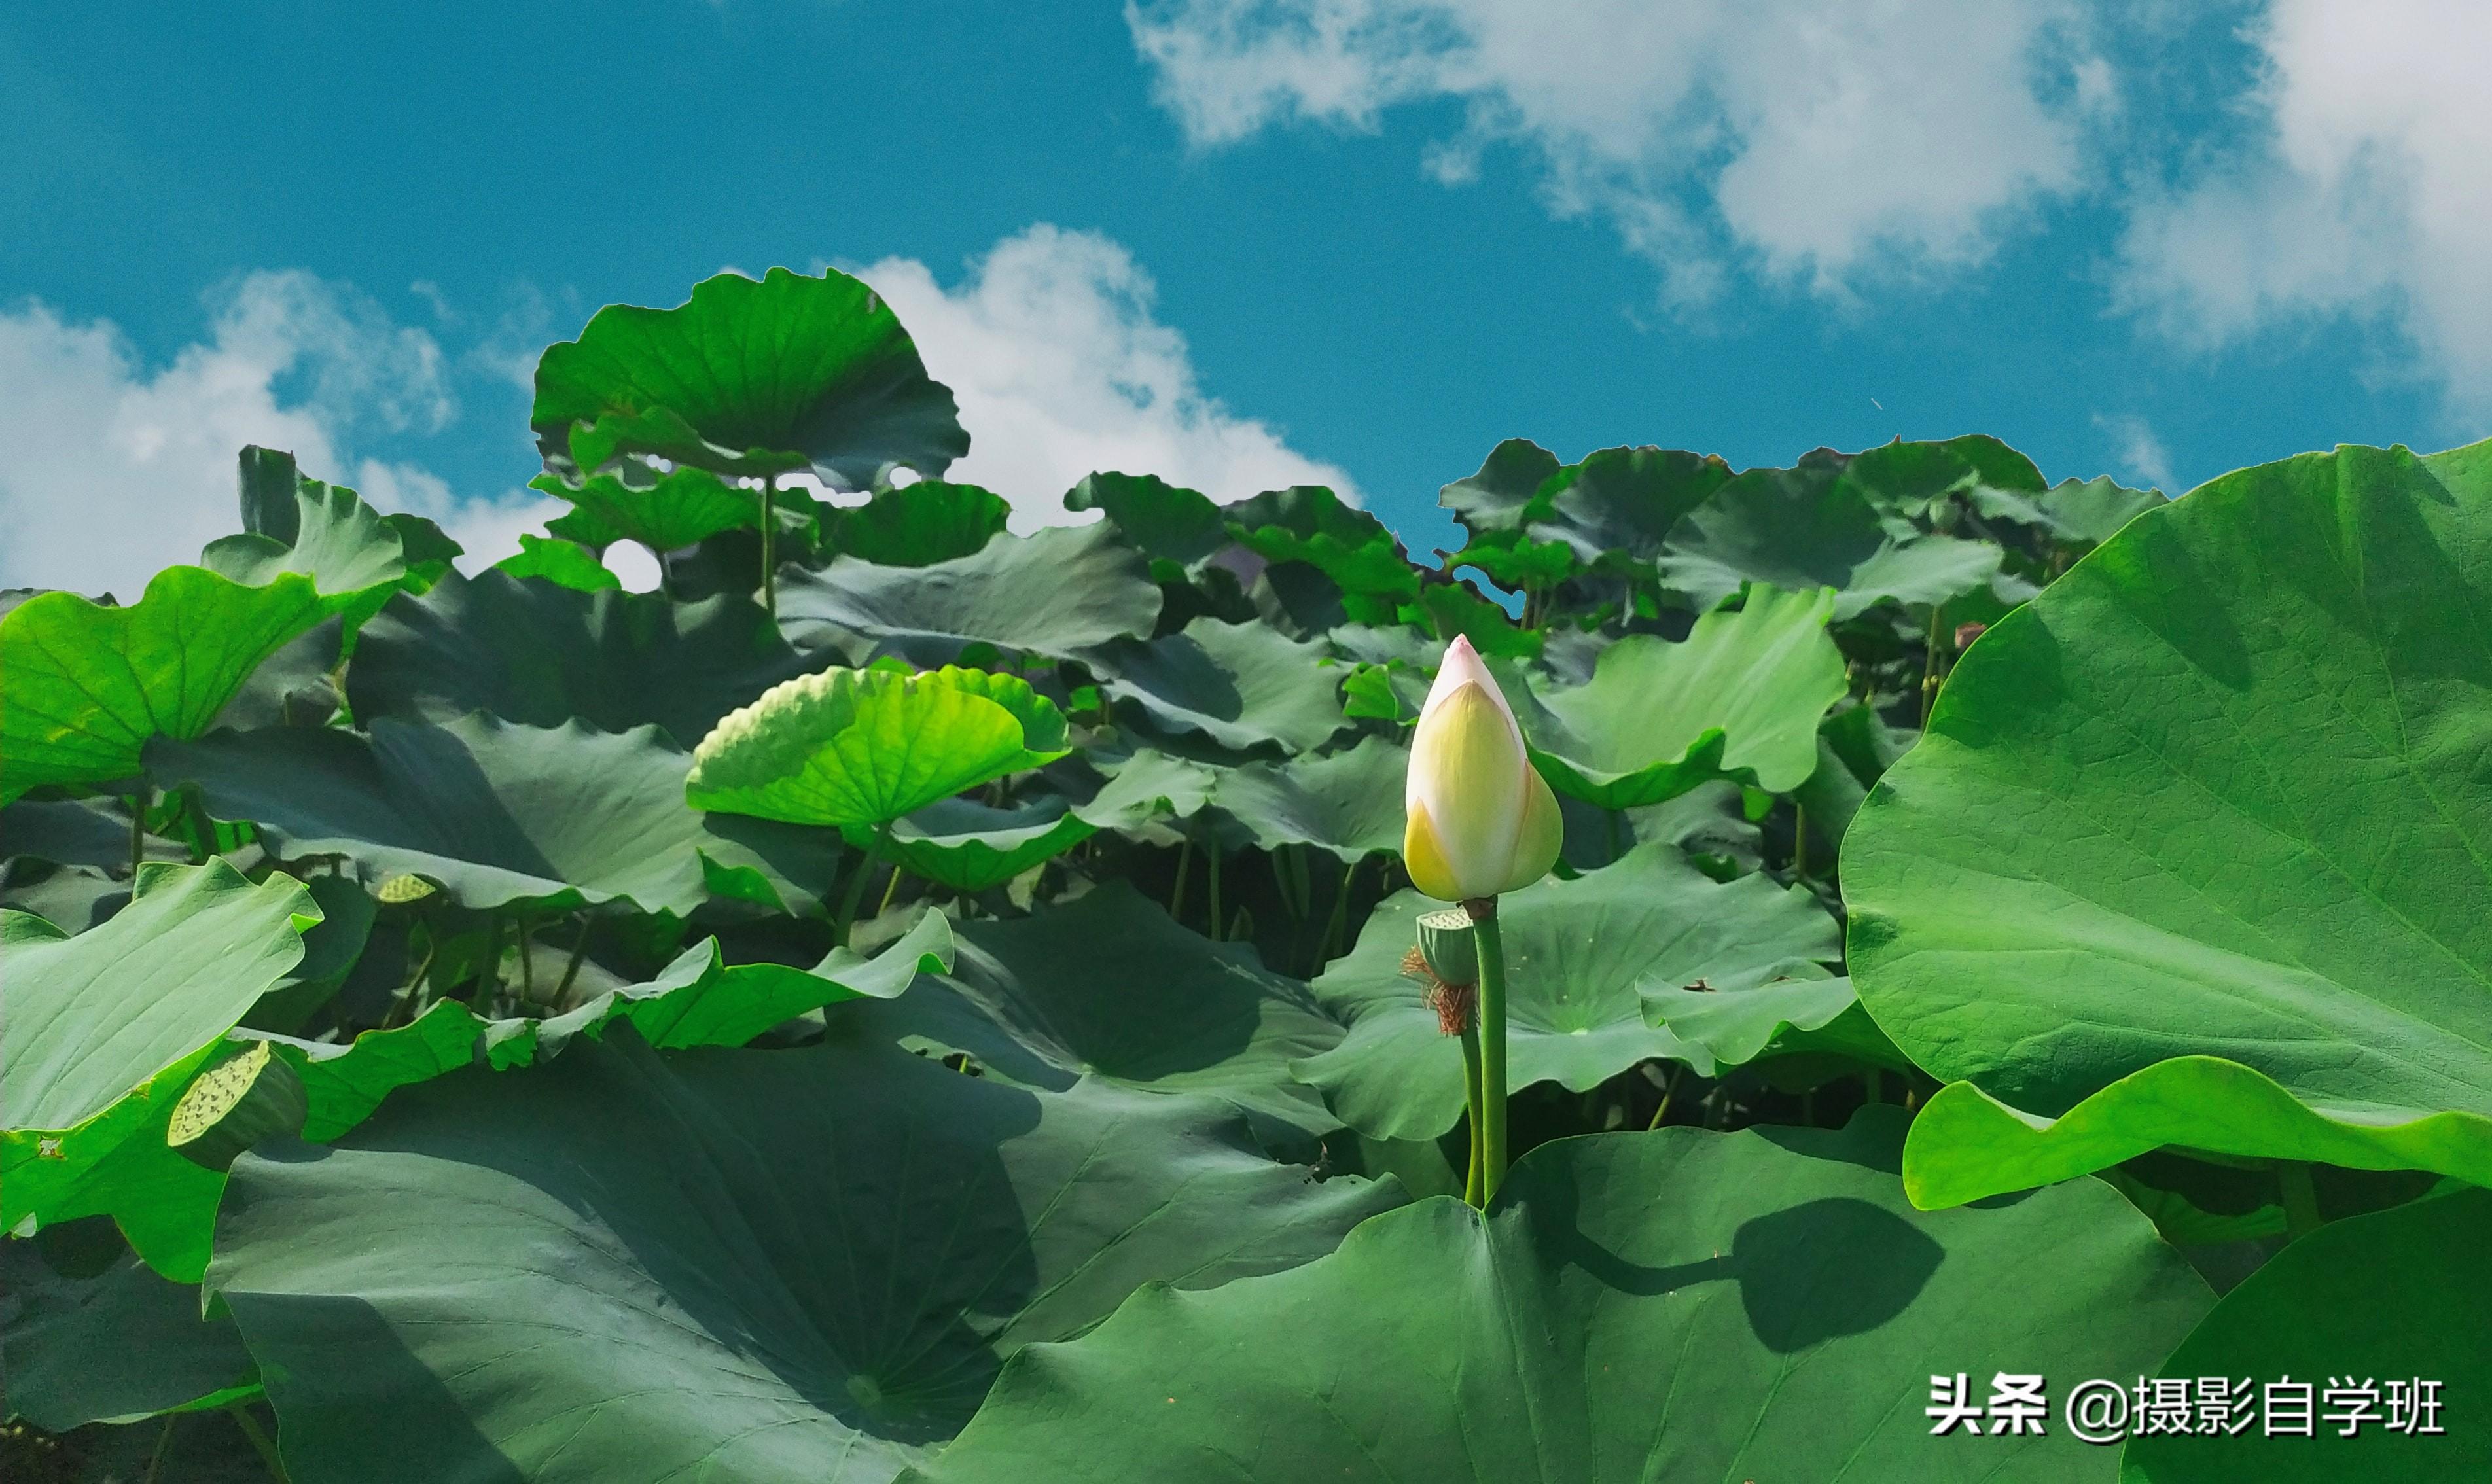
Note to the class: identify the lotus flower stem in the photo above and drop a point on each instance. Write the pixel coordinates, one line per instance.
(1492, 1039)
(769, 548)
(2301, 1198)
(1211, 853)
(139, 803)
(855, 893)
(570, 970)
(1477, 1171)
(1184, 865)
(259, 1440)
(890, 890)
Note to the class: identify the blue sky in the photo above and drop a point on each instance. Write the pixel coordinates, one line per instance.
(1241, 242)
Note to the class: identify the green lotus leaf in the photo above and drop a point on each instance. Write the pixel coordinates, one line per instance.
(2217, 793)
(106, 1029)
(1914, 479)
(1451, 610)
(1109, 986)
(724, 1237)
(1309, 523)
(1807, 1013)
(542, 655)
(2092, 510)
(114, 1346)
(1740, 697)
(1149, 787)
(1168, 523)
(1347, 803)
(2393, 1297)
(969, 846)
(1579, 955)
(1968, 1144)
(1677, 1305)
(500, 817)
(1246, 686)
(1614, 509)
(563, 563)
(865, 747)
(322, 531)
(664, 512)
(1820, 525)
(749, 378)
(1502, 497)
(1058, 592)
(83, 686)
(920, 524)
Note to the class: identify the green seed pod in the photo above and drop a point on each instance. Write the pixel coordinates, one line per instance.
(1445, 941)
(403, 888)
(235, 1105)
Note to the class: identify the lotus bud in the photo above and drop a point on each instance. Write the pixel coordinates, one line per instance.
(1478, 818)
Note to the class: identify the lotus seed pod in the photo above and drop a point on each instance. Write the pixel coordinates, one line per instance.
(1445, 941)
(235, 1105)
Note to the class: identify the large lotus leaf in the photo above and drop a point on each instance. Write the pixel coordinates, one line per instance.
(1149, 787)
(920, 524)
(1502, 497)
(82, 685)
(543, 655)
(104, 1029)
(664, 512)
(1309, 523)
(1109, 986)
(1810, 526)
(1057, 592)
(864, 747)
(1168, 523)
(1742, 696)
(794, 1265)
(112, 1346)
(499, 815)
(2093, 510)
(1909, 479)
(563, 562)
(1618, 506)
(1347, 803)
(970, 847)
(322, 531)
(1804, 1014)
(1679, 1307)
(746, 375)
(1578, 956)
(2222, 789)
(2363, 1304)
(1246, 686)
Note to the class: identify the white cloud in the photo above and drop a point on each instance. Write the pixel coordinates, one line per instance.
(1823, 139)
(116, 470)
(2141, 454)
(2365, 192)
(1061, 370)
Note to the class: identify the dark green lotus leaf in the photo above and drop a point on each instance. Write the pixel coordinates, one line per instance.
(499, 815)
(1245, 686)
(82, 685)
(749, 379)
(111, 1346)
(865, 747)
(74, 832)
(1517, 562)
(2092, 510)
(1146, 787)
(1813, 526)
(1057, 592)
(1614, 509)
(331, 948)
(2217, 794)
(540, 654)
(1109, 986)
(1673, 1306)
(920, 524)
(106, 1029)
(322, 531)
(1347, 803)
(1806, 1013)
(1452, 610)
(725, 1237)
(563, 563)
(664, 512)
(1740, 697)
(1309, 523)
(1579, 956)
(970, 847)
(1502, 497)
(2363, 1304)
(1168, 523)
(1912, 480)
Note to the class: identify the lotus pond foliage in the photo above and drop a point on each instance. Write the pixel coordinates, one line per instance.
(1208, 992)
